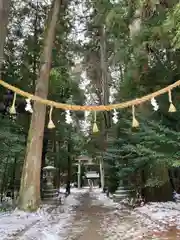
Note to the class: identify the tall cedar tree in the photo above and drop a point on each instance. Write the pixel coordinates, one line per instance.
(4, 12)
(29, 198)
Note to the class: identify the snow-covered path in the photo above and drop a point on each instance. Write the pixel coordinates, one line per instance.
(89, 216)
(98, 218)
(49, 223)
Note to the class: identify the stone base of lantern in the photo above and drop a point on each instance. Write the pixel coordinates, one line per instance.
(50, 196)
(121, 194)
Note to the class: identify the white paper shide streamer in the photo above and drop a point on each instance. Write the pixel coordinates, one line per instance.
(68, 117)
(154, 104)
(28, 107)
(115, 116)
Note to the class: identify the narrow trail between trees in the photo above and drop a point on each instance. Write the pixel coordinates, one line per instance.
(85, 215)
(87, 221)
(94, 221)
(98, 222)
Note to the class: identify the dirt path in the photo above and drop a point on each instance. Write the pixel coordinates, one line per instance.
(84, 216)
(87, 221)
(94, 221)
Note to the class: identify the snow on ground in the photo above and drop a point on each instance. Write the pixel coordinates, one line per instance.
(49, 222)
(151, 220)
(101, 199)
(116, 220)
(167, 213)
(159, 215)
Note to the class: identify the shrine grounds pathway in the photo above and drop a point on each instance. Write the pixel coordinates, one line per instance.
(98, 220)
(85, 215)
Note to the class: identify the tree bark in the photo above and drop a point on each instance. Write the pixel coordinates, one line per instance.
(69, 173)
(58, 165)
(43, 161)
(4, 182)
(29, 197)
(105, 97)
(13, 176)
(35, 50)
(4, 13)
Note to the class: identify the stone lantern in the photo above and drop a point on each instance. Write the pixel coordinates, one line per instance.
(50, 193)
(48, 174)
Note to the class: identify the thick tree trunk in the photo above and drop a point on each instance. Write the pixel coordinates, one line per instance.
(105, 76)
(105, 97)
(163, 193)
(4, 182)
(160, 193)
(68, 184)
(43, 161)
(35, 50)
(13, 177)
(29, 198)
(4, 13)
(58, 165)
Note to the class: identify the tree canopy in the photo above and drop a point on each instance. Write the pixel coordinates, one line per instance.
(102, 52)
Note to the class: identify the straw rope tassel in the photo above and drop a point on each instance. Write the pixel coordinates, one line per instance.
(172, 108)
(135, 123)
(50, 124)
(95, 127)
(12, 109)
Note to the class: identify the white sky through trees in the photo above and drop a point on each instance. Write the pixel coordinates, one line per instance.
(79, 13)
